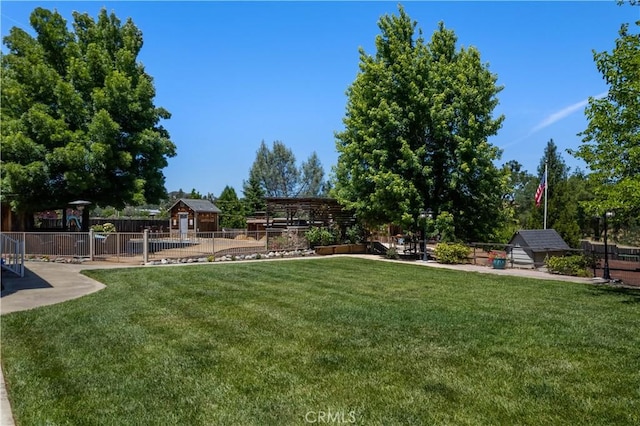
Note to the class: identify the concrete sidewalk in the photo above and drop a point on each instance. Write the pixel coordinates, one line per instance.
(48, 283)
(44, 284)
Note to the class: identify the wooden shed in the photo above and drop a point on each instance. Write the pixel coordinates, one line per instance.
(189, 216)
(529, 247)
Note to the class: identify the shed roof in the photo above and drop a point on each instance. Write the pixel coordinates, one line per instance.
(541, 239)
(200, 206)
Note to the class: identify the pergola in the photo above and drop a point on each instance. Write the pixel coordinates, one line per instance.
(308, 211)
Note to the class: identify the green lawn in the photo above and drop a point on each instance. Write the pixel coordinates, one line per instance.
(326, 339)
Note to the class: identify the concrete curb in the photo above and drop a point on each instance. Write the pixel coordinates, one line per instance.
(6, 417)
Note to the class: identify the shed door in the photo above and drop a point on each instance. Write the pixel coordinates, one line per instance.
(183, 220)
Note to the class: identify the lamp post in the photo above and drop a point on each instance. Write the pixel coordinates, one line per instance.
(426, 215)
(606, 275)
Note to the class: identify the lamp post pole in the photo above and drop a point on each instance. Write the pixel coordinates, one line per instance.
(424, 254)
(426, 215)
(606, 274)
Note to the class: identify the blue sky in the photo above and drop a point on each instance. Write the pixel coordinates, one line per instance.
(235, 73)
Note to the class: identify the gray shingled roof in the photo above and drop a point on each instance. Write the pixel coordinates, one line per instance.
(541, 239)
(199, 206)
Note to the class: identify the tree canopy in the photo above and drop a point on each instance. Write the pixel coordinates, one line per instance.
(79, 120)
(232, 209)
(611, 142)
(417, 121)
(278, 175)
(564, 194)
(253, 196)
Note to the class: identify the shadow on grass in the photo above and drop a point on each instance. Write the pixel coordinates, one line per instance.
(632, 294)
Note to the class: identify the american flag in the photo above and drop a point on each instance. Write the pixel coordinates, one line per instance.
(540, 190)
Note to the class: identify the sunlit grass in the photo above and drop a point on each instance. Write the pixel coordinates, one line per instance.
(282, 342)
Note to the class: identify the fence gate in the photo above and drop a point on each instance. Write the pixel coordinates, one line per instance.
(12, 255)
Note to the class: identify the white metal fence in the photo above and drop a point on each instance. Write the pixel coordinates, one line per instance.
(12, 255)
(147, 245)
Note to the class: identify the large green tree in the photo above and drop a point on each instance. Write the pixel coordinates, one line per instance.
(78, 115)
(566, 195)
(561, 205)
(521, 186)
(417, 123)
(557, 174)
(232, 209)
(253, 196)
(276, 171)
(312, 177)
(611, 142)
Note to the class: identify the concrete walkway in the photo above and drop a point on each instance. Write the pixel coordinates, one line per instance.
(47, 283)
(44, 284)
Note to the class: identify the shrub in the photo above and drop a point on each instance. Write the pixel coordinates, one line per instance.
(576, 265)
(320, 236)
(105, 227)
(392, 253)
(353, 235)
(451, 253)
(445, 227)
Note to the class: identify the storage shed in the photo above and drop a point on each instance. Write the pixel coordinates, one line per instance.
(530, 247)
(189, 216)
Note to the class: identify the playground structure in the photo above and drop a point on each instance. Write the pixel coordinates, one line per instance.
(74, 222)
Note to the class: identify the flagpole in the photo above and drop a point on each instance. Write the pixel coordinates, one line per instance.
(546, 189)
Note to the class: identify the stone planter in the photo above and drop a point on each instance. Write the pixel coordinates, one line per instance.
(499, 263)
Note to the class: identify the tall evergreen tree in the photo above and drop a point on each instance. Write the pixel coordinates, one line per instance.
(232, 210)
(416, 133)
(253, 196)
(195, 195)
(557, 173)
(312, 177)
(563, 212)
(276, 171)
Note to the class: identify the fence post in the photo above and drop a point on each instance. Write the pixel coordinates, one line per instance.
(21, 248)
(145, 246)
(213, 245)
(511, 253)
(266, 240)
(92, 244)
